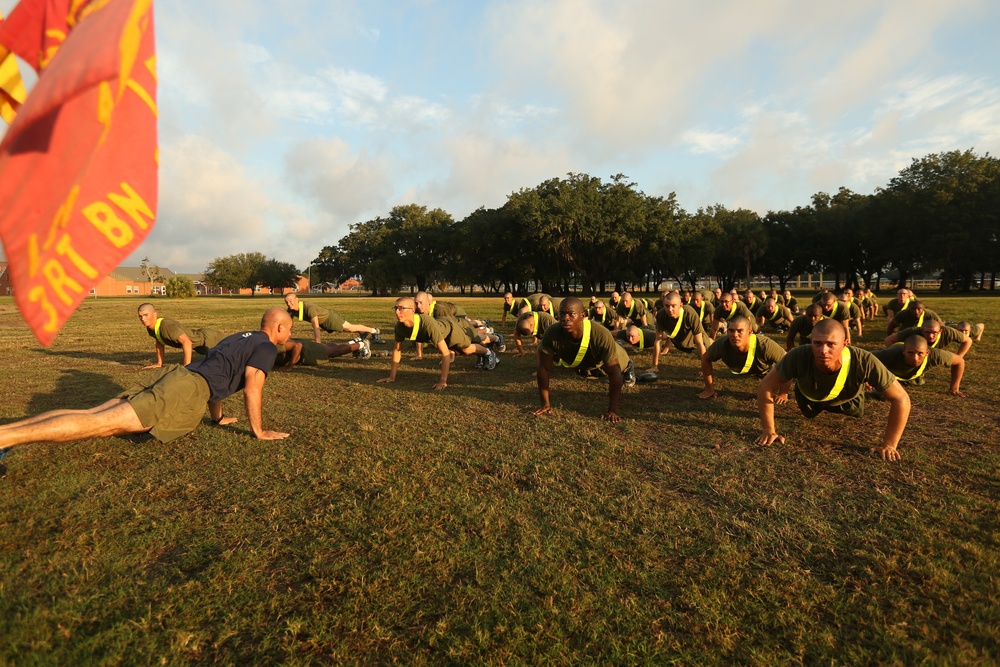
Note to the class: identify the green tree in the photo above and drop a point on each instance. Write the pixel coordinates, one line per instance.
(180, 287)
(235, 271)
(943, 216)
(276, 275)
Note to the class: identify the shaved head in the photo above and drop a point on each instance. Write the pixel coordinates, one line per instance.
(830, 328)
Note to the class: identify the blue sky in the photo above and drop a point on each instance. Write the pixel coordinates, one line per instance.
(283, 123)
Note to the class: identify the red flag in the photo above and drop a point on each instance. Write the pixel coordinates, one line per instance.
(78, 166)
(12, 91)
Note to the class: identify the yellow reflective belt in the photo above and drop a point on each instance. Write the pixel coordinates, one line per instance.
(750, 355)
(701, 311)
(584, 344)
(776, 314)
(677, 329)
(301, 305)
(920, 371)
(905, 306)
(838, 386)
(733, 312)
(534, 331)
(631, 310)
(416, 326)
(936, 341)
(156, 330)
(430, 311)
(834, 311)
(920, 320)
(642, 340)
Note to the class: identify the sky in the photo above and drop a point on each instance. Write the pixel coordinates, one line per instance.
(283, 123)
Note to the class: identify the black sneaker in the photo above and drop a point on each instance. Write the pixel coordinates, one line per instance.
(501, 345)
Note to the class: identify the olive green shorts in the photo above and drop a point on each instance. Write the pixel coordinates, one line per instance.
(334, 323)
(206, 339)
(460, 336)
(171, 402)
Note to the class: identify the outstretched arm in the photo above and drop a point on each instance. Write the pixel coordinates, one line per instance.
(159, 356)
(397, 354)
(706, 373)
(253, 401)
(614, 372)
(957, 370)
(317, 336)
(544, 370)
(768, 390)
(899, 412)
(445, 365)
(187, 347)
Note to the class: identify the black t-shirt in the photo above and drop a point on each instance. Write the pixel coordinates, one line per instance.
(224, 367)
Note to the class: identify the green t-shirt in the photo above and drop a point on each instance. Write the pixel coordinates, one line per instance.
(838, 312)
(946, 337)
(429, 330)
(601, 351)
(202, 340)
(647, 338)
(515, 306)
(798, 364)
(690, 330)
(312, 353)
(766, 355)
(781, 317)
(446, 309)
(741, 309)
(328, 321)
(633, 312)
(892, 358)
(909, 318)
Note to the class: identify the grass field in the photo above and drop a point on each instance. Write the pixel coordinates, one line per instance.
(398, 524)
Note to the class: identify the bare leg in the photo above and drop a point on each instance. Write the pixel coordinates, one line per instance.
(115, 417)
(358, 328)
(56, 413)
(340, 349)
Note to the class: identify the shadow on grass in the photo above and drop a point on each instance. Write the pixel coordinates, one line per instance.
(126, 358)
(76, 390)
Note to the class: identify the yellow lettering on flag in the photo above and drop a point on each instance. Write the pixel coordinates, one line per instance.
(79, 196)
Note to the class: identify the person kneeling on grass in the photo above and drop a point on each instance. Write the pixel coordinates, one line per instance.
(577, 342)
(830, 376)
(171, 403)
(445, 334)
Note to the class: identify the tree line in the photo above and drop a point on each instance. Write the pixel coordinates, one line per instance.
(937, 216)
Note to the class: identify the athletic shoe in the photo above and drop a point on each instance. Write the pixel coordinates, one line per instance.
(491, 360)
(629, 376)
(366, 350)
(501, 345)
(376, 338)
(480, 362)
(357, 341)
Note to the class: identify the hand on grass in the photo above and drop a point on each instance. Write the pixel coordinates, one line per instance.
(780, 399)
(146, 368)
(770, 438)
(957, 392)
(227, 420)
(887, 453)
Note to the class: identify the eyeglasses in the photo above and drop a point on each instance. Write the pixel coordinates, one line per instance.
(402, 307)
